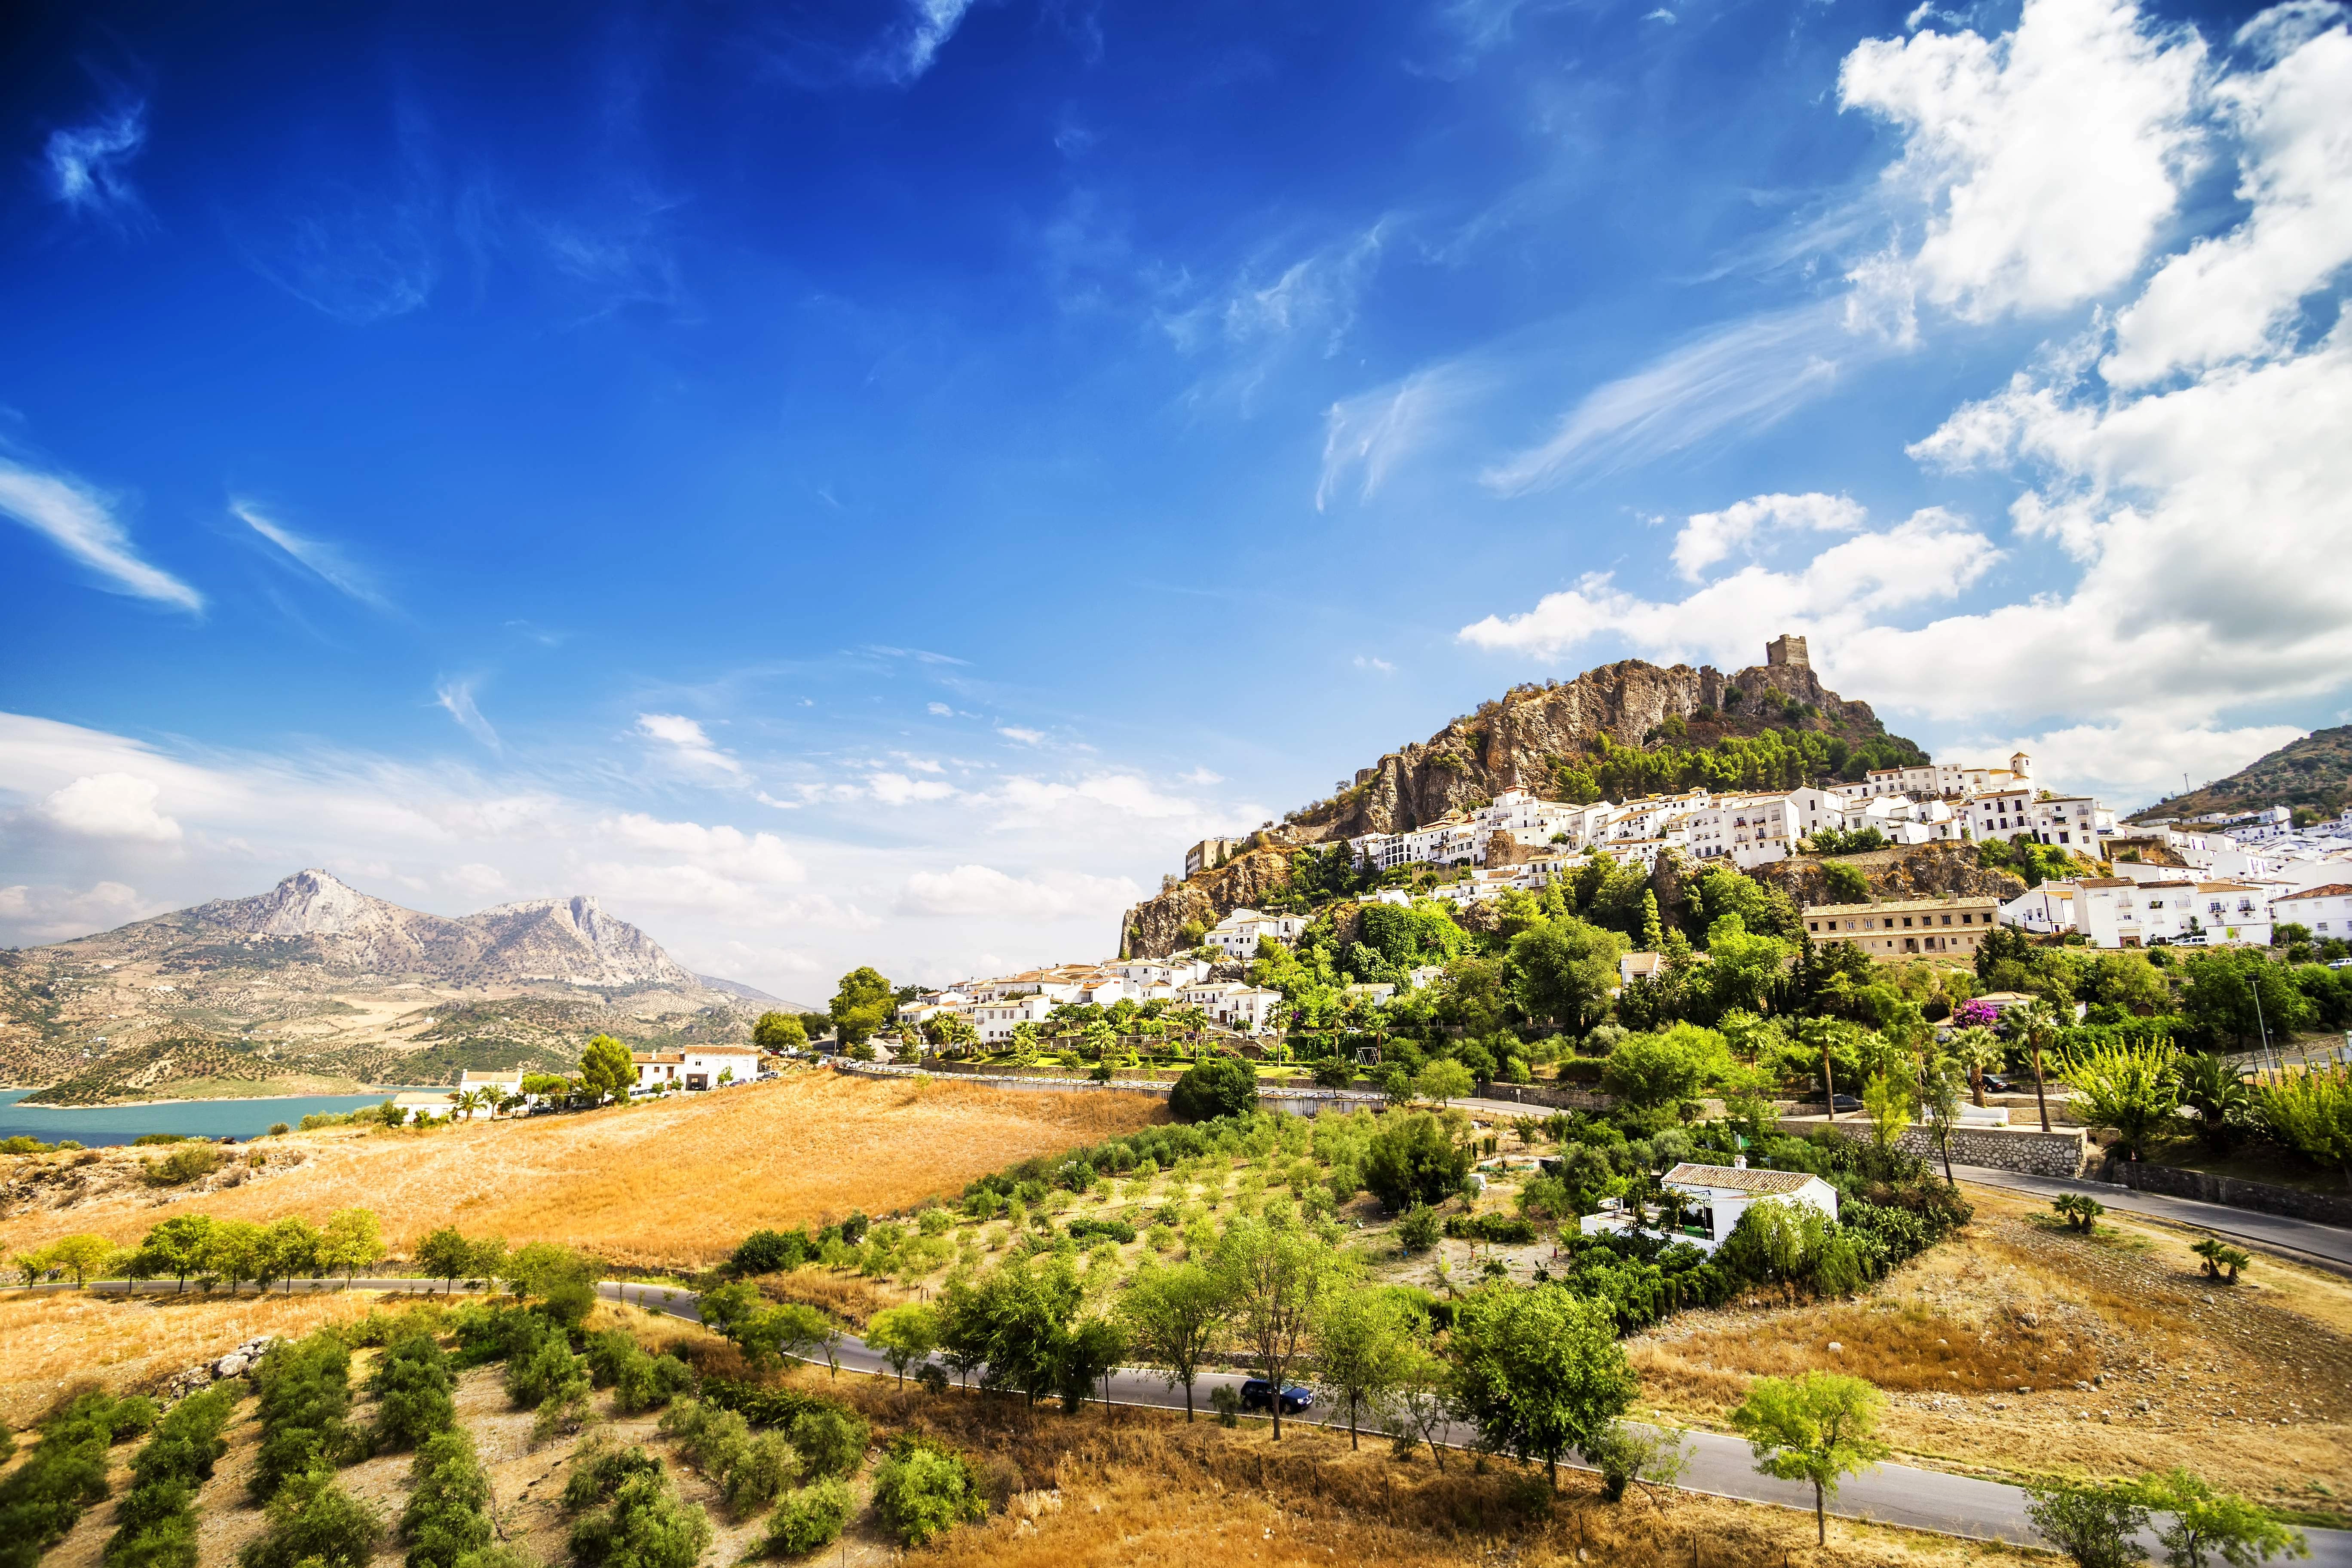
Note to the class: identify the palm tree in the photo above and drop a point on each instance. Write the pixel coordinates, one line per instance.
(1976, 1049)
(2037, 1029)
(462, 1103)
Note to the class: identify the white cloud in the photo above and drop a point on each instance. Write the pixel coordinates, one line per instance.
(940, 710)
(1125, 794)
(111, 805)
(2237, 294)
(689, 742)
(1381, 666)
(897, 789)
(457, 698)
(324, 561)
(81, 523)
(1708, 537)
(1369, 434)
(1738, 379)
(913, 45)
(1201, 778)
(970, 891)
(1025, 737)
(88, 162)
(36, 913)
(1932, 554)
(761, 857)
(2046, 161)
(476, 880)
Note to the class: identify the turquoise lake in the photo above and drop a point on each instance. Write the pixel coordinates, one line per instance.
(239, 1118)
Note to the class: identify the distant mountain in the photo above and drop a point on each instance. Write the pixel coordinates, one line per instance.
(564, 940)
(754, 994)
(316, 980)
(2315, 770)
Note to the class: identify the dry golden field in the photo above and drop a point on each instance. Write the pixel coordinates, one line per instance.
(671, 1183)
(2135, 1360)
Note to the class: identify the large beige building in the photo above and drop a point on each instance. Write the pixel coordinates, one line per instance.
(1893, 929)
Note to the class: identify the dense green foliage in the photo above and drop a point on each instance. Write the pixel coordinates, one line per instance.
(923, 1489)
(1220, 1086)
(42, 1498)
(1775, 760)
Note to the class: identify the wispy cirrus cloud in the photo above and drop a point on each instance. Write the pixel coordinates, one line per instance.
(913, 44)
(323, 561)
(80, 521)
(455, 698)
(88, 165)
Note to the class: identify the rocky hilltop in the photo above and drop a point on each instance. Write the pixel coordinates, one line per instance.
(1548, 739)
(567, 939)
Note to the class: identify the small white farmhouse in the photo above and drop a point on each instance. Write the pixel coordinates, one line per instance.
(696, 1066)
(1716, 1195)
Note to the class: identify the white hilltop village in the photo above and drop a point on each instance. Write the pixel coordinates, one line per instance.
(2215, 879)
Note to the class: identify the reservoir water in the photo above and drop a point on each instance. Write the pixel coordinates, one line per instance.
(101, 1124)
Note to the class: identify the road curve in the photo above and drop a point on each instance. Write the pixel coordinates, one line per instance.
(2329, 1246)
(1719, 1466)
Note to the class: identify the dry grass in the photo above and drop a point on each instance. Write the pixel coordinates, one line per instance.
(673, 1184)
(56, 1339)
(2135, 1360)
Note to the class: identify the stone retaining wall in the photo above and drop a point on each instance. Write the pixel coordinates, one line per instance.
(1547, 1095)
(2023, 1148)
(2261, 1197)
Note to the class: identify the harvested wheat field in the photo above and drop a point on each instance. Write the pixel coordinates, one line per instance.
(2020, 1348)
(57, 1339)
(670, 1184)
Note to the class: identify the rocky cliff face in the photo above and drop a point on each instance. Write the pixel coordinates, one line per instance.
(1913, 871)
(1510, 743)
(1153, 927)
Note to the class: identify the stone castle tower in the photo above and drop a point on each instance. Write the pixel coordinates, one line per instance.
(1786, 651)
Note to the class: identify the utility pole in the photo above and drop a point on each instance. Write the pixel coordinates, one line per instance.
(2257, 993)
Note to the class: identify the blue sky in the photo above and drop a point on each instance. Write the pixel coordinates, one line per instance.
(873, 482)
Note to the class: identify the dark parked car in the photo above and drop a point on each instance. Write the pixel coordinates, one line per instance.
(1843, 1103)
(1256, 1395)
(1996, 1084)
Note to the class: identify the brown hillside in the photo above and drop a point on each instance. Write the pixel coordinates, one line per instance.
(1911, 871)
(2315, 770)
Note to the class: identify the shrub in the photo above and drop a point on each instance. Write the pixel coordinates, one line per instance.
(1218, 1086)
(645, 1525)
(831, 1439)
(771, 1251)
(599, 1468)
(42, 1499)
(649, 1382)
(1411, 1160)
(413, 1383)
(806, 1519)
(1418, 1230)
(187, 1163)
(922, 1491)
(312, 1519)
(548, 1370)
(448, 1515)
(305, 1388)
(1504, 1230)
(764, 1468)
(1085, 1230)
(156, 1526)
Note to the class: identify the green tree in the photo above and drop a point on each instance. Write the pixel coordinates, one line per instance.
(1846, 884)
(1411, 1158)
(1819, 1427)
(1012, 1320)
(1175, 1314)
(2211, 1085)
(1565, 970)
(1278, 1279)
(1443, 1079)
(2134, 1089)
(1664, 1070)
(1092, 1348)
(1654, 936)
(951, 1032)
(2036, 1026)
(921, 1492)
(2311, 1112)
(80, 1256)
(1886, 1100)
(2203, 1520)
(291, 1247)
(1363, 1343)
(313, 1521)
(445, 1255)
(176, 1247)
(605, 1069)
(862, 1007)
(1213, 1087)
(2239, 994)
(1538, 1371)
(2093, 1526)
(235, 1251)
(351, 1241)
(779, 1032)
(905, 1335)
(1978, 1050)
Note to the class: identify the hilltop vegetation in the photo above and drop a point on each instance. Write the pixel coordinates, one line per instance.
(2313, 772)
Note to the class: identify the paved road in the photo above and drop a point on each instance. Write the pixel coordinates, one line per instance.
(1719, 1465)
(2328, 1245)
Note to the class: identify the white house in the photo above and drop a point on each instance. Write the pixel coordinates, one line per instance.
(2001, 814)
(696, 1066)
(997, 1019)
(2044, 911)
(2071, 821)
(1238, 933)
(2114, 911)
(1244, 1007)
(1715, 1197)
(2325, 910)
